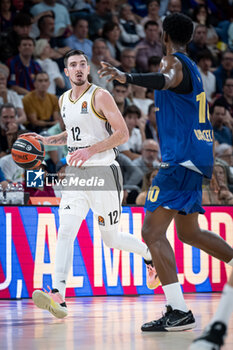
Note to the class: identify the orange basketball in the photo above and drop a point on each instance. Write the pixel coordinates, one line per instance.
(28, 152)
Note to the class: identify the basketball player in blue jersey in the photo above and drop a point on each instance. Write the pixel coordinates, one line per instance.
(94, 127)
(186, 142)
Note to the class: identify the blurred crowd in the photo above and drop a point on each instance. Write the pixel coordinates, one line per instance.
(34, 36)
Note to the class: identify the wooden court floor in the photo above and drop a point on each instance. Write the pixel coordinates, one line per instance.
(100, 323)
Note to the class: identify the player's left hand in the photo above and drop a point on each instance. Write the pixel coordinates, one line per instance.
(108, 69)
(79, 157)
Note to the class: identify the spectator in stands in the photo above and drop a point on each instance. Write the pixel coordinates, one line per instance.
(131, 31)
(221, 125)
(136, 126)
(149, 157)
(6, 16)
(201, 16)
(129, 172)
(199, 42)
(210, 191)
(41, 108)
(99, 53)
(46, 25)
(224, 156)
(147, 161)
(78, 40)
(151, 126)
(153, 64)
(224, 194)
(62, 17)
(23, 68)
(153, 7)
(225, 152)
(127, 61)
(224, 71)
(10, 96)
(139, 99)
(8, 128)
(42, 55)
(99, 18)
(150, 46)
(3, 180)
(55, 153)
(146, 183)
(204, 62)
(81, 5)
(21, 28)
(173, 6)
(227, 97)
(120, 92)
(111, 34)
(12, 172)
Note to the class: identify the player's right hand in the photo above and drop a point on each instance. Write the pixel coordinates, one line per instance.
(37, 136)
(108, 69)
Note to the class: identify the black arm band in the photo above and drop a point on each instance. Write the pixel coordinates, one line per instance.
(154, 81)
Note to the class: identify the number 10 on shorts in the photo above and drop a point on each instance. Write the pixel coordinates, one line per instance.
(153, 194)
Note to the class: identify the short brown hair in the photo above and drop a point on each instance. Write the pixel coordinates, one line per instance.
(74, 53)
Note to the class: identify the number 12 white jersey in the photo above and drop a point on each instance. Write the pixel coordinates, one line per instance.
(85, 126)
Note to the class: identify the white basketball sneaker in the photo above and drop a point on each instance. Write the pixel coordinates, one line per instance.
(51, 301)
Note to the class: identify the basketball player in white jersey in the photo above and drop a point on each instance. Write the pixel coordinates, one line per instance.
(94, 127)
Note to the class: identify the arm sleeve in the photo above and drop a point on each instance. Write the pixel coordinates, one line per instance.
(155, 81)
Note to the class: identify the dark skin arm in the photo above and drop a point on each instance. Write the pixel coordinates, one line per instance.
(170, 67)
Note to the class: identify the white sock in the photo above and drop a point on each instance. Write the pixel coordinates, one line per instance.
(174, 296)
(230, 262)
(69, 226)
(225, 306)
(125, 241)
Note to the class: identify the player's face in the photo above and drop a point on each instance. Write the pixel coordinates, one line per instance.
(77, 70)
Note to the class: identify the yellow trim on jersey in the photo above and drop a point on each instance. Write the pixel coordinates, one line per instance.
(61, 99)
(93, 108)
(79, 96)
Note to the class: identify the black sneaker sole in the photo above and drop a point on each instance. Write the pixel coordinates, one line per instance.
(170, 329)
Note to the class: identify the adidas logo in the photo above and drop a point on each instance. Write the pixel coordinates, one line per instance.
(67, 207)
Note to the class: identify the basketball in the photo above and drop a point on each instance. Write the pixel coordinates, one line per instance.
(28, 152)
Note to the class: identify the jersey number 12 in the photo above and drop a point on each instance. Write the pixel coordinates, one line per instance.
(75, 133)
